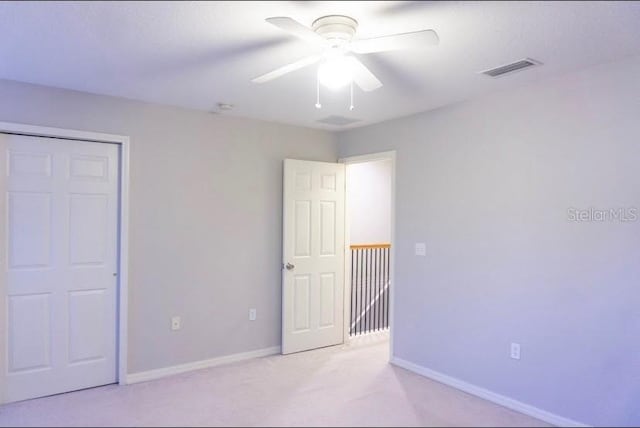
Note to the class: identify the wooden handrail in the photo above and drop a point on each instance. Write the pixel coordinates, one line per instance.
(366, 246)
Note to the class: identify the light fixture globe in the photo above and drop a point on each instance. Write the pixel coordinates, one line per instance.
(336, 72)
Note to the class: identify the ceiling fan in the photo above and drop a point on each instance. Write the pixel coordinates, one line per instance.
(339, 65)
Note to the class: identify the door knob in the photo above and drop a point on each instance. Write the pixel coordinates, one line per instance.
(290, 266)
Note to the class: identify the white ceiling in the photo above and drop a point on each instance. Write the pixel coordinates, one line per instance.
(195, 55)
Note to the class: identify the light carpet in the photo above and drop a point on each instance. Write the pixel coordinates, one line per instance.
(339, 386)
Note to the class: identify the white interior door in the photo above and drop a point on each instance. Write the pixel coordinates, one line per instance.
(313, 247)
(61, 228)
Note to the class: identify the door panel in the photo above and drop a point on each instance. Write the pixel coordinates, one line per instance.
(30, 164)
(30, 332)
(302, 229)
(61, 284)
(88, 229)
(89, 168)
(301, 303)
(313, 248)
(29, 211)
(327, 228)
(87, 318)
(327, 299)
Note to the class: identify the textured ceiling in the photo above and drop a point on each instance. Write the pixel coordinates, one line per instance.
(196, 54)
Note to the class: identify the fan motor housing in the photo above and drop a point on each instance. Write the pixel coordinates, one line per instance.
(338, 29)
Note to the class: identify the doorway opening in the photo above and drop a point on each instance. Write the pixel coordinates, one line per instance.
(322, 239)
(369, 226)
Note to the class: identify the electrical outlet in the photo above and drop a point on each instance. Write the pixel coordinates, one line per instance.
(421, 249)
(253, 314)
(176, 323)
(515, 351)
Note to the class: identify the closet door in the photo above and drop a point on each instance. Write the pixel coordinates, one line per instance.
(61, 236)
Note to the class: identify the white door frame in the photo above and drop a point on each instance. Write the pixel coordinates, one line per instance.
(390, 155)
(123, 238)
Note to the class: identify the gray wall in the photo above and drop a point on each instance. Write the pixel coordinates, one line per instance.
(487, 185)
(206, 217)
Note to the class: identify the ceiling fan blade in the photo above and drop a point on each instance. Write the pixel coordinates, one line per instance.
(287, 69)
(292, 26)
(363, 77)
(413, 40)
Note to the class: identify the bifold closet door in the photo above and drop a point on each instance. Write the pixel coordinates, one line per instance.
(61, 236)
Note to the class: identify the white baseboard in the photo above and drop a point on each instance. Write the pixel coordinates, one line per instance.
(507, 402)
(197, 365)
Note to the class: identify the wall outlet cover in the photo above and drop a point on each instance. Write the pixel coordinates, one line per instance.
(176, 323)
(515, 351)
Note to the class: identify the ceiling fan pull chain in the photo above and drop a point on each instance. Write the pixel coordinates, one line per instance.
(318, 105)
(351, 107)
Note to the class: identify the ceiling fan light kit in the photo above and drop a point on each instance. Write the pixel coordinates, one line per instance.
(336, 71)
(318, 80)
(339, 65)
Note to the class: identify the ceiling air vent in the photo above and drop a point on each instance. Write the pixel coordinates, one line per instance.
(338, 120)
(510, 68)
